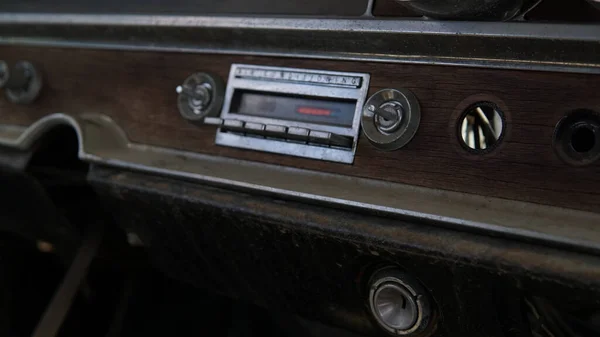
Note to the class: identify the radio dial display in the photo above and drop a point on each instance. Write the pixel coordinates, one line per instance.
(300, 112)
(327, 111)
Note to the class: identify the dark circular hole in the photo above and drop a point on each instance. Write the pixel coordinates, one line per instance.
(574, 139)
(583, 139)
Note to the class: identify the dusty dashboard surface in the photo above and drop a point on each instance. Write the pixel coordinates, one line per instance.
(384, 167)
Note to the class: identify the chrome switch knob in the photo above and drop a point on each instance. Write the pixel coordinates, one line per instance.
(390, 118)
(200, 96)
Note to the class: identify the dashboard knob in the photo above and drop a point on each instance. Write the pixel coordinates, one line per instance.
(22, 82)
(390, 118)
(200, 96)
(399, 303)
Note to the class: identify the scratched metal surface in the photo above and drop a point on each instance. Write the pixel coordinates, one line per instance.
(511, 45)
(190, 7)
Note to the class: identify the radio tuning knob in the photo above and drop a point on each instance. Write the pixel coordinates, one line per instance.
(390, 118)
(22, 83)
(200, 96)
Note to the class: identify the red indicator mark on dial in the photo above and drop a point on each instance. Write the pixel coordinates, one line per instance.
(313, 111)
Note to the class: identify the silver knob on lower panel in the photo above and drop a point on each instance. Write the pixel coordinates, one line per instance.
(399, 303)
(395, 306)
(390, 118)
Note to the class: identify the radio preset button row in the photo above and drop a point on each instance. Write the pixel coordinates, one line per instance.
(281, 132)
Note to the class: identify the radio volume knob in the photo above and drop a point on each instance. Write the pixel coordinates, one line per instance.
(200, 96)
(390, 118)
(22, 82)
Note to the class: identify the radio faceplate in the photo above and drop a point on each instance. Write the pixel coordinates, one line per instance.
(299, 112)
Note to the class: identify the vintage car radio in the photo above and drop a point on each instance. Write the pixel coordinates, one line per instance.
(309, 182)
(306, 113)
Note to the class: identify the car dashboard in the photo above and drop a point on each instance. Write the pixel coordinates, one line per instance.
(239, 168)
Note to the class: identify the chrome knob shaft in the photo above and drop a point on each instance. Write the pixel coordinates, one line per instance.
(200, 96)
(390, 118)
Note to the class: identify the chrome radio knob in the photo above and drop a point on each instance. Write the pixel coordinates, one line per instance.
(200, 95)
(390, 118)
(22, 82)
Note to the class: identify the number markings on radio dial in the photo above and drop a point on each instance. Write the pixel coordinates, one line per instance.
(294, 76)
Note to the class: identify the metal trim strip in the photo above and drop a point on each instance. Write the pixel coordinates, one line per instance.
(103, 142)
(510, 45)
